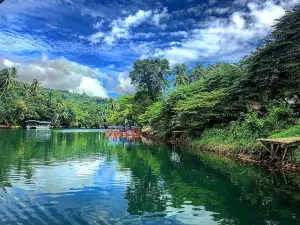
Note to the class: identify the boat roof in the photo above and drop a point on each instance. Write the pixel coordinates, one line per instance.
(37, 121)
(122, 127)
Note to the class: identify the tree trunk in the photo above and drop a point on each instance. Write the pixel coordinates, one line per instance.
(150, 91)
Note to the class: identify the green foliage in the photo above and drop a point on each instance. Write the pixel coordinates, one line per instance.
(150, 75)
(278, 118)
(274, 69)
(23, 101)
(207, 100)
(180, 72)
(197, 73)
(125, 112)
(295, 155)
(152, 114)
(242, 134)
(293, 131)
(7, 78)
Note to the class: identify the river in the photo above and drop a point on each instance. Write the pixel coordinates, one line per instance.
(83, 177)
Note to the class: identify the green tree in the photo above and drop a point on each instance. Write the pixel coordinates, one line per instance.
(180, 72)
(197, 73)
(112, 104)
(151, 75)
(7, 78)
(274, 69)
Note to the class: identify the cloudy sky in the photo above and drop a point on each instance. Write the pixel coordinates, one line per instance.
(90, 45)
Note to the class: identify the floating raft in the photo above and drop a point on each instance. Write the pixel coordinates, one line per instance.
(279, 146)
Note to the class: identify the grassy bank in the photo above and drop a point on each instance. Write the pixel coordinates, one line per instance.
(293, 131)
(238, 138)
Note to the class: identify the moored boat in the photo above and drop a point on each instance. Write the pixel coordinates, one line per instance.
(35, 124)
(119, 131)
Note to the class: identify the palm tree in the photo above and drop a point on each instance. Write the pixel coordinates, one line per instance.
(180, 75)
(112, 104)
(34, 87)
(102, 117)
(197, 73)
(7, 78)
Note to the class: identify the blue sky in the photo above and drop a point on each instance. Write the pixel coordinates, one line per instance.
(90, 45)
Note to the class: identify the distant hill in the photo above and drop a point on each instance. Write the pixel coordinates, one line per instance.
(76, 97)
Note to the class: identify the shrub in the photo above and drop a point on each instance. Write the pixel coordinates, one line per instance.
(242, 134)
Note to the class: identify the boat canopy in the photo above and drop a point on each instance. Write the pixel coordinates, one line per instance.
(121, 127)
(37, 122)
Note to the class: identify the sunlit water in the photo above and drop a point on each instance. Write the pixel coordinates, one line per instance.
(83, 177)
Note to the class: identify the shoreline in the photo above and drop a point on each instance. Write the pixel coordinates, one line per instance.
(184, 142)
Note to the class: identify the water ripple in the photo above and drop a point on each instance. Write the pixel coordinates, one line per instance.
(79, 177)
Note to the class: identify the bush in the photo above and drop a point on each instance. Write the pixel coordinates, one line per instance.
(295, 155)
(293, 131)
(242, 134)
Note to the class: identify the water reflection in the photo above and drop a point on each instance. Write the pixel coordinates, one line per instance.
(71, 177)
(38, 135)
(127, 142)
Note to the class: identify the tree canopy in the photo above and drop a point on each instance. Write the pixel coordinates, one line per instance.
(274, 69)
(150, 75)
(23, 101)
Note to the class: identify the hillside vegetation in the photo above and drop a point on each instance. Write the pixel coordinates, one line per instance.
(22, 101)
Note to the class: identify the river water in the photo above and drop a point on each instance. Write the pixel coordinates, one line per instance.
(83, 177)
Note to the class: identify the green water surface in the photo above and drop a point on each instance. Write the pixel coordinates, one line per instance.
(83, 177)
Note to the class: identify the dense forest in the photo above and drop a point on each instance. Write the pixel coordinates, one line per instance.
(21, 101)
(228, 105)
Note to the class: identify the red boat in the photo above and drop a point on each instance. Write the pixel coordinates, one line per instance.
(125, 132)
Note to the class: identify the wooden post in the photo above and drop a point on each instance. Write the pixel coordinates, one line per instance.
(260, 154)
(275, 153)
(265, 146)
(272, 151)
(284, 177)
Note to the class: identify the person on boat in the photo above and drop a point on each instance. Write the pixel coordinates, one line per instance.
(130, 132)
(108, 132)
(117, 133)
(136, 132)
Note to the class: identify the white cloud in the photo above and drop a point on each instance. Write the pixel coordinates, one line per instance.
(99, 24)
(218, 10)
(8, 63)
(265, 15)
(95, 38)
(212, 2)
(290, 3)
(226, 38)
(120, 28)
(238, 19)
(133, 20)
(91, 86)
(195, 10)
(61, 74)
(158, 16)
(16, 42)
(125, 85)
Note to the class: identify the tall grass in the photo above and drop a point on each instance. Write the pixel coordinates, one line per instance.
(243, 134)
(293, 131)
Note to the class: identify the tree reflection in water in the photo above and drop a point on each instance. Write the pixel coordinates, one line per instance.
(127, 142)
(149, 183)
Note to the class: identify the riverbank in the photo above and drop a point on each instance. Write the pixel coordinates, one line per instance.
(9, 127)
(221, 142)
